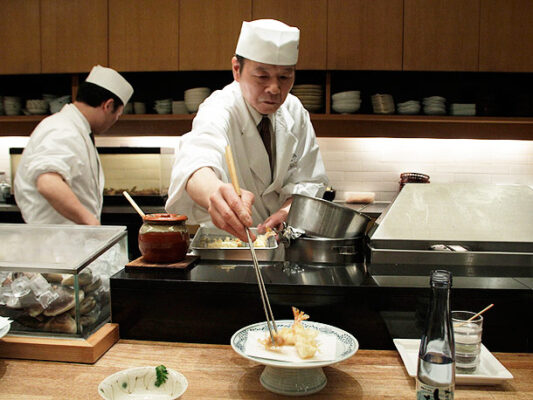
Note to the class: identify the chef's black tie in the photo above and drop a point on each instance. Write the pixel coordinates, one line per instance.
(91, 135)
(264, 131)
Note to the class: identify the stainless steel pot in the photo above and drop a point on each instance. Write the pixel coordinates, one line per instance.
(320, 250)
(325, 219)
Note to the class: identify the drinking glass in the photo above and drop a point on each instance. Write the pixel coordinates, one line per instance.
(467, 341)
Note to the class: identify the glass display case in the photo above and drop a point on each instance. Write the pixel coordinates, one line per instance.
(54, 279)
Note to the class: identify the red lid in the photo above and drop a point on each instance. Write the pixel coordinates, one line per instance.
(165, 217)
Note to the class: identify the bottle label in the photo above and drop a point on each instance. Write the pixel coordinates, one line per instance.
(428, 392)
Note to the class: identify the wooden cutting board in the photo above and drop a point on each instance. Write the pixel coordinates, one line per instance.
(140, 265)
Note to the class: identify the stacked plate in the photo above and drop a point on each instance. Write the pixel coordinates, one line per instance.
(310, 95)
(409, 107)
(57, 104)
(37, 106)
(346, 102)
(383, 104)
(194, 97)
(163, 106)
(12, 105)
(179, 107)
(434, 105)
(463, 109)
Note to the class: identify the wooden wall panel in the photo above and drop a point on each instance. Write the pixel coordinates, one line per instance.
(74, 35)
(20, 48)
(143, 35)
(310, 16)
(441, 35)
(209, 31)
(506, 36)
(365, 34)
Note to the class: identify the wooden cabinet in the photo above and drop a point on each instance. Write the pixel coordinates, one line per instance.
(310, 16)
(365, 34)
(209, 31)
(441, 35)
(73, 35)
(506, 36)
(143, 35)
(20, 48)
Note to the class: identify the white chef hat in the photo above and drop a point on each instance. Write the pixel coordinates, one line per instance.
(111, 80)
(269, 41)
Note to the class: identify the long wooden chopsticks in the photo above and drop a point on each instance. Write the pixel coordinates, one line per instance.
(270, 320)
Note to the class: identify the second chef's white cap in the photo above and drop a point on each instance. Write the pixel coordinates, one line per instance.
(111, 80)
(269, 41)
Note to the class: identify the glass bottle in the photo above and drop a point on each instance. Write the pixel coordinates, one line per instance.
(435, 377)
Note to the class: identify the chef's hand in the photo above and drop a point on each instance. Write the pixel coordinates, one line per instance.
(230, 212)
(276, 220)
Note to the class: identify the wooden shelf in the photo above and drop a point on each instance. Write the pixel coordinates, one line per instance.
(326, 125)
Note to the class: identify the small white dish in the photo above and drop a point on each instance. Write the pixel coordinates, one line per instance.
(139, 383)
(295, 378)
(5, 325)
(489, 372)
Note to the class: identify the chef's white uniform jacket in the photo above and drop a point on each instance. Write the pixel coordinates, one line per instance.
(61, 144)
(225, 118)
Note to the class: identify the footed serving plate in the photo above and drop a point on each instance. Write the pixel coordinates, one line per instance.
(295, 378)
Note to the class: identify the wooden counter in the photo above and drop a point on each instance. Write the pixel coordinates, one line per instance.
(217, 372)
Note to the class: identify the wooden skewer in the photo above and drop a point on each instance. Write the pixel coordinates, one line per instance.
(133, 203)
(475, 315)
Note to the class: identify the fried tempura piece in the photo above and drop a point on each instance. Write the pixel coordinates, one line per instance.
(304, 339)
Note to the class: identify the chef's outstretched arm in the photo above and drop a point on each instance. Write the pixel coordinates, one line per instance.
(61, 197)
(277, 219)
(228, 211)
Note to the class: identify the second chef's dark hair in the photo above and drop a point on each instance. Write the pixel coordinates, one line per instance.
(94, 95)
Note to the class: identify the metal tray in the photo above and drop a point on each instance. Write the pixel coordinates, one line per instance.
(204, 234)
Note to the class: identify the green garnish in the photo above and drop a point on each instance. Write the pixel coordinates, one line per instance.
(161, 374)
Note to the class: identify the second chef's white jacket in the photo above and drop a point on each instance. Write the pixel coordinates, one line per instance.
(61, 144)
(224, 118)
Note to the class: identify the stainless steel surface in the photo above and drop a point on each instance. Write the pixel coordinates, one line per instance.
(270, 320)
(203, 235)
(318, 217)
(325, 250)
(492, 222)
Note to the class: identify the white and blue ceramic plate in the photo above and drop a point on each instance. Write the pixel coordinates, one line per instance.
(346, 344)
(139, 383)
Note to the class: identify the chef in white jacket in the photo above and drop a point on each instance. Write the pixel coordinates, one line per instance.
(59, 179)
(272, 163)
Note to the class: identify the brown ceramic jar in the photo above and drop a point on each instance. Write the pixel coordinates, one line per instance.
(163, 238)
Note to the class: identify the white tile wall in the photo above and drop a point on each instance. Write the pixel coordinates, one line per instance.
(375, 164)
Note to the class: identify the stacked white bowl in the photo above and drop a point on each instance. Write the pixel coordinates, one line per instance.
(12, 105)
(194, 97)
(179, 107)
(467, 109)
(346, 102)
(434, 105)
(57, 104)
(310, 95)
(410, 107)
(383, 104)
(163, 106)
(37, 106)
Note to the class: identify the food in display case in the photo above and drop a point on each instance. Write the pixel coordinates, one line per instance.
(54, 279)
